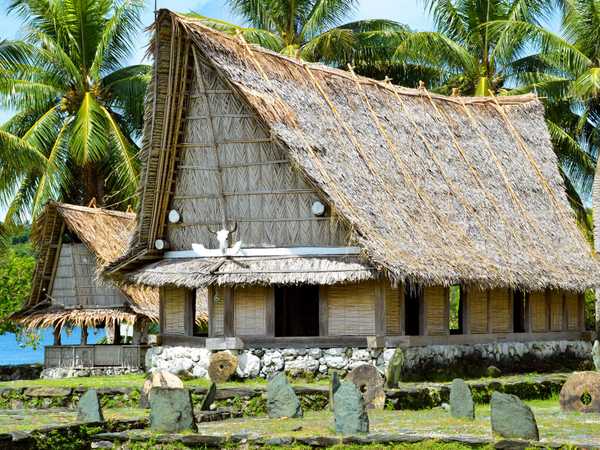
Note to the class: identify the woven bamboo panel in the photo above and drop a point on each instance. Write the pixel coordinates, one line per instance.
(174, 310)
(572, 311)
(477, 310)
(500, 311)
(393, 310)
(218, 313)
(556, 311)
(228, 161)
(250, 311)
(89, 291)
(351, 309)
(63, 289)
(435, 299)
(539, 311)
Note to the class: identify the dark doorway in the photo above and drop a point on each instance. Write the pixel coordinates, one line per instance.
(412, 307)
(518, 312)
(297, 311)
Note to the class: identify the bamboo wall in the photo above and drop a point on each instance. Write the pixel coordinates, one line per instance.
(75, 282)
(230, 170)
(250, 311)
(217, 318)
(394, 310)
(351, 309)
(501, 311)
(538, 312)
(478, 311)
(173, 308)
(435, 312)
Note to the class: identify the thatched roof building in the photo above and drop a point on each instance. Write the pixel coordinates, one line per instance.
(431, 189)
(319, 208)
(74, 244)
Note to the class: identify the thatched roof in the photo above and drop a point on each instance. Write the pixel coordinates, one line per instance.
(197, 272)
(435, 189)
(106, 234)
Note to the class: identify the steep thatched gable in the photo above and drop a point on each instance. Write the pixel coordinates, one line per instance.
(104, 236)
(434, 189)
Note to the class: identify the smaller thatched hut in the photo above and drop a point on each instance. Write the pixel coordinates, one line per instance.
(73, 243)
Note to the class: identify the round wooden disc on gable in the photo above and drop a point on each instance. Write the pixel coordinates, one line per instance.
(222, 366)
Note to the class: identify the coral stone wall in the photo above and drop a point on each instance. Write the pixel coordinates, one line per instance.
(434, 362)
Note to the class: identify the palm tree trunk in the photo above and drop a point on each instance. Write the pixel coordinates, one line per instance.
(93, 184)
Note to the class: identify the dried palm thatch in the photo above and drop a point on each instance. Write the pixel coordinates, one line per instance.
(194, 273)
(106, 235)
(437, 190)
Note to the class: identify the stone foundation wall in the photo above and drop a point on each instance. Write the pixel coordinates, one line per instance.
(57, 372)
(434, 362)
(20, 372)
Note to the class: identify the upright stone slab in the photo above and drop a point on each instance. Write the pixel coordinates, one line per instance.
(334, 384)
(282, 401)
(89, 409)
(395, 368)
(513, 419)
(596, 355)
(171, 410)
(209, 398)
(349, 410)
(461, 400)
(581, 393)
(369, 381)
(162, 378)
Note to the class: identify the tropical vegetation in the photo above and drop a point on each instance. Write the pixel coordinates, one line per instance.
(77, 109)
(314, 30)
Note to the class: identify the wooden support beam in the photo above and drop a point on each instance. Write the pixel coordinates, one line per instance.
(228, 312)
(270, 312)
(189, 314)
(380, 328)
(84, 335)
(323, 311)
(57, 335)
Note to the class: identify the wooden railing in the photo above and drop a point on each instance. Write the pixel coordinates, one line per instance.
(69, 356)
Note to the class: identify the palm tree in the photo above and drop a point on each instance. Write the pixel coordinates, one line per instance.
(464, 47)
(78, 110)
(313, 30)
(565, 70)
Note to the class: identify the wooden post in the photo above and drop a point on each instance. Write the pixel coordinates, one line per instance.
(228, 311)
(527, 312)
(211, 311)
(465, 321)
(270, 312)
(57, 335)
(117, 333)
(189, 311)
(84, 335)
(323, 312)
(380, 328)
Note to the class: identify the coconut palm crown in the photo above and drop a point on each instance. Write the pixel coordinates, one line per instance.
(313, 30)
(77, 108)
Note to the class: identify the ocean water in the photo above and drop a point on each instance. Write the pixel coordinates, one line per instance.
(12, 352)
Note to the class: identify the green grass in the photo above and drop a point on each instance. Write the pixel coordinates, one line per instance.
(554, 425)
(31, 419)
(136, 381)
